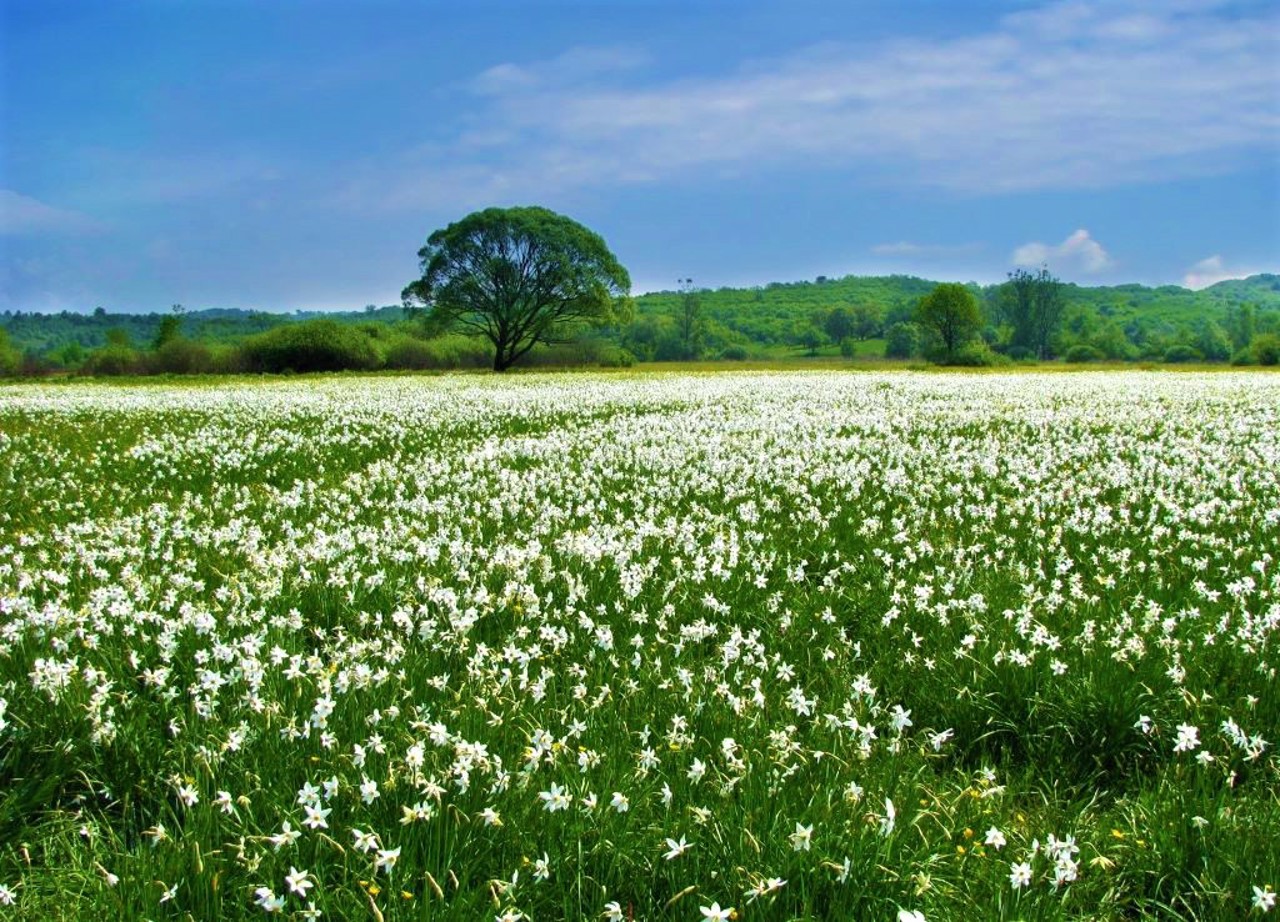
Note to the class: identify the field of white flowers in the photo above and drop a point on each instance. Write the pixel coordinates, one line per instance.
(626, 647)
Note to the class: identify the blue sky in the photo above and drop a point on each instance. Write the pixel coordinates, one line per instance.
(294, 154)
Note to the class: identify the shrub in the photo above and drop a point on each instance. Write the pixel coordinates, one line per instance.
(902, 341)
(1081, 353)
(410, 354)
(734, 353)
(1021, 354)
(314, 345)
(977, 354)
(1266, 349)
(112, 359)
(10, 360)
(1176, 355)
(848, 347)
(182, 357)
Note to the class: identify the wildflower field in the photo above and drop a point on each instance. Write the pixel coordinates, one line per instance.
(627, 647)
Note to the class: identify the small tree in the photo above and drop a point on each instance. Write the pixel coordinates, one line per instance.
(868, 321)
(689, 320)
(839, 324)
(902, 341)
(517, 277)
(951, 313)
(1033, 305)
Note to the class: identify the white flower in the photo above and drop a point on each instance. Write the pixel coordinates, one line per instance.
(715, 913)
(676, 849)
(317, 817)
(1263, 898)
(8, 897)
(910, 915)
(890, 818)
(1188, 738)
(995, 838)
(387, 858)
(286, 836)
(298, 881)
(613, 911)
(1020, 875)
(619, 802)
(554, 798)
(267, 899)
(801, 839)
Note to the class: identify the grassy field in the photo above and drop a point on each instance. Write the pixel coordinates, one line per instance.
(803, 645)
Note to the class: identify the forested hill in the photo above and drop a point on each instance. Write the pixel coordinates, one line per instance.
(766, 313)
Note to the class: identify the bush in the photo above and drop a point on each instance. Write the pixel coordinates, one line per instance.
(1177, 355)
(734, 353)
(113, 359)
(977, 354)
(1081, 353)
(902, 341)
(588, 351)
(182, 357)
(9, 357)
(848, 347)
(1021, 354)
(314, 345)
(1266, 349)
(1242, 357)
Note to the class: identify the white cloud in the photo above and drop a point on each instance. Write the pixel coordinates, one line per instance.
(1074, 94)
(1210, 271)
(1078, 253)
(22, 215)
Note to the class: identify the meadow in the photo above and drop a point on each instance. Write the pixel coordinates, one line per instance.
(804, 645)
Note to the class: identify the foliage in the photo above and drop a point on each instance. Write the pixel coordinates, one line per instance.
(180, 356)
(1266, 349)
(10, 358)
(1180, 353)
(113, 360)
(1032, 305)
(902, 341)
(950, 313)
(315, 345)
(518, 277)
(1081, 353)
(443, 352)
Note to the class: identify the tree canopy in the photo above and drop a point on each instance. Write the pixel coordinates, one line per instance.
(951, 313)
(517, 277)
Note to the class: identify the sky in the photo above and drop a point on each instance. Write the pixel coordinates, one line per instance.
(295, 154)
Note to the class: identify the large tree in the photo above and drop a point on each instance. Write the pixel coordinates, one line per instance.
(518, 277)
(951, 313)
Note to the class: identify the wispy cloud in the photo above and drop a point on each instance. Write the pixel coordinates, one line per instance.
(1076, 94)
(1078, 253)
(1210, 271)
(907, 249)
(21, 215)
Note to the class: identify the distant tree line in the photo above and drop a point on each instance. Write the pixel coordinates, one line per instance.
(536, 288)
